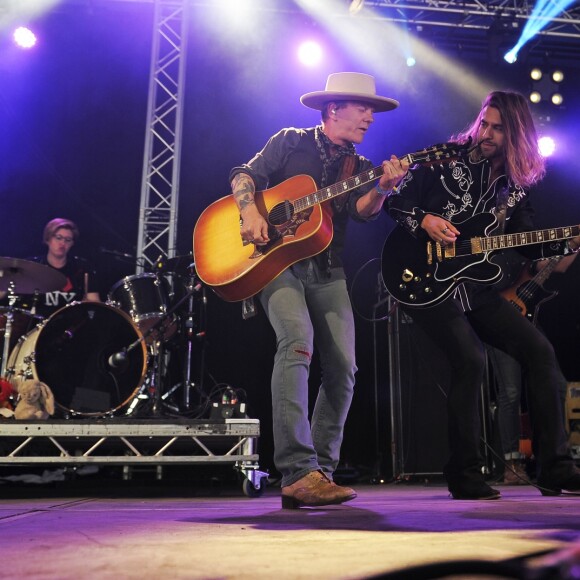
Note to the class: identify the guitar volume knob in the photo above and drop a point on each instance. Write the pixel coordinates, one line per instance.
(407, 275)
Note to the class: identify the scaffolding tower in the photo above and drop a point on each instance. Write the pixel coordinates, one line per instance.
(161, 164)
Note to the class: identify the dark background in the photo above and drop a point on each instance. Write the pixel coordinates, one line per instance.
(72, 128)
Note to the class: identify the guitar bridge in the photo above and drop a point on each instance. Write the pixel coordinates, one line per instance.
(450, 250)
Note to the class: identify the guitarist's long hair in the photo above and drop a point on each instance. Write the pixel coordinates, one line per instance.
(524, 165)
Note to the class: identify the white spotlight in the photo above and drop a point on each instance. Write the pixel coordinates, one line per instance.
(24, 37)
(547, 146)
(310, 53)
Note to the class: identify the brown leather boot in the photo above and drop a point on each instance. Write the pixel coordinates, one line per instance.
(515, 473)
(315, 489)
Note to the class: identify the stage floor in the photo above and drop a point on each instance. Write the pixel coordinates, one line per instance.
(224, 534)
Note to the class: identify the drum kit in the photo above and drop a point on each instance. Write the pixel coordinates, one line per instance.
(104, 359)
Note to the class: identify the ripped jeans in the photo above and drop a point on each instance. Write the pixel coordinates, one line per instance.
(307, 308)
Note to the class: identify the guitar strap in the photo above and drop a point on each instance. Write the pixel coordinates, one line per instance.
(501, 208)
(347, 170)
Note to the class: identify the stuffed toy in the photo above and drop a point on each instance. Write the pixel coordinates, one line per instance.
(7, 392)
(35, 401)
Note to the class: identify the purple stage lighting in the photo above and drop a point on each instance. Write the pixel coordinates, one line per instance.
(310, 53)
(547, 146)
(24, 37)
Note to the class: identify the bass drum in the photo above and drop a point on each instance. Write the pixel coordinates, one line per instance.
(70, 352)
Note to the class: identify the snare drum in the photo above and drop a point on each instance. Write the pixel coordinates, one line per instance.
(145, 298)
(70, 352)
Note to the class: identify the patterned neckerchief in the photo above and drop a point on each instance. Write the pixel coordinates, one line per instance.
(329, 152)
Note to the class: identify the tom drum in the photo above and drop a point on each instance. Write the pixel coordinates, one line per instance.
(145, 298)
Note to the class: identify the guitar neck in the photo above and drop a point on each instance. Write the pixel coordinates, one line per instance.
(546, 272)
(431, 156)
(488, 244)
(336, 189)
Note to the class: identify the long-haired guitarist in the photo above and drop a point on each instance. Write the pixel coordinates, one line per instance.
(307, 303)
(437, 208)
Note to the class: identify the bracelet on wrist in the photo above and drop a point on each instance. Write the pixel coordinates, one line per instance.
(382, 192)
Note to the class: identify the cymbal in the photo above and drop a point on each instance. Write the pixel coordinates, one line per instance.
(177, 265)
(29, 277)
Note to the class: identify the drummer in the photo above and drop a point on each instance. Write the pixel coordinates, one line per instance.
(60, 235)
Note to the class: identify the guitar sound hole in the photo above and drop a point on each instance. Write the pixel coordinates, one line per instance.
(281, 213)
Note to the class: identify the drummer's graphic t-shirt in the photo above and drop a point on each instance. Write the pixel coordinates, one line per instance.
(76, 271)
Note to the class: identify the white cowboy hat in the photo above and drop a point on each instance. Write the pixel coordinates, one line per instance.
(349, 86)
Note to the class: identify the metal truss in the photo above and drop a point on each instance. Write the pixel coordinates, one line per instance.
(473, 15)
(479, 26)
(130, 442)
(161, 166)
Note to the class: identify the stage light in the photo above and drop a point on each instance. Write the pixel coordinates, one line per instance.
(411, 61)
(502, 35)
(547, 146)
(24, 37)
(511, 56)
(356, 6)
(542, 14)
(546, 86)
(310, 53)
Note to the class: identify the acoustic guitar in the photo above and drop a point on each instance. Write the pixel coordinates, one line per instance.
(299, 226)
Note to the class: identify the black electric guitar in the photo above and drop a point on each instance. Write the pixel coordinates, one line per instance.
(528, 293)
(423, 273)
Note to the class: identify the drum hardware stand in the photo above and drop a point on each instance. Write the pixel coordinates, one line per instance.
(190, 336)
(119, 358)
(8, 329)
(155, 382)
(189, 330)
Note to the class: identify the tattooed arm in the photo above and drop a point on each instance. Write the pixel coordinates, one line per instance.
(253, 226)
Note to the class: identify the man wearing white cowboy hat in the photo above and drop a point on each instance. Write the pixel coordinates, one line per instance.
(308, 302)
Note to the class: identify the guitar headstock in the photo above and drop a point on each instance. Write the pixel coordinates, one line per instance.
(440, 153)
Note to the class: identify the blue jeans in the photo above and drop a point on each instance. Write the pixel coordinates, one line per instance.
(508, 373)
(510, 380)
(306, 308)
